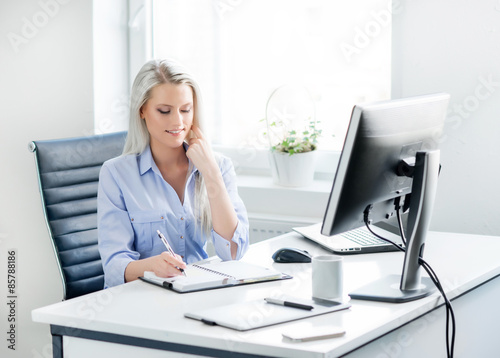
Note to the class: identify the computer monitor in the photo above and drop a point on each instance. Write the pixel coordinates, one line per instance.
(390, 157)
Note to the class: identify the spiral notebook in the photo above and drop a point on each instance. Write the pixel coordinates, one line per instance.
(206, 276)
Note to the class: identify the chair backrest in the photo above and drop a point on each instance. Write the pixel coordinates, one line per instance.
(68, 176)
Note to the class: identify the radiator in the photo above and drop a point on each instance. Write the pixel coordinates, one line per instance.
(265, 227)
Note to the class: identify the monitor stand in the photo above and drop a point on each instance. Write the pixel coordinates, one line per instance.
(410, 285)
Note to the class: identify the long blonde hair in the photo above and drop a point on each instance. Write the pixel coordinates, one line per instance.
(152, 74)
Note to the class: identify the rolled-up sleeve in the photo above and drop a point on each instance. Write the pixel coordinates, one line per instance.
(115, 232)
(241, 234)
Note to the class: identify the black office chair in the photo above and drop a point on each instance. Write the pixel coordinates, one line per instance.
(68, 175)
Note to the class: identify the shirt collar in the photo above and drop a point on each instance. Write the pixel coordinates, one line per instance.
(146, 161)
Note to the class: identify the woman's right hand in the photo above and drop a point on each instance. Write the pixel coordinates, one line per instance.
(163, 265)
(166, 265)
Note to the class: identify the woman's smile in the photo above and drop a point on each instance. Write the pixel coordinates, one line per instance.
(174, 132)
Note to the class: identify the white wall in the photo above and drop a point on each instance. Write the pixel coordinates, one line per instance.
(46, 91)
(453, 46)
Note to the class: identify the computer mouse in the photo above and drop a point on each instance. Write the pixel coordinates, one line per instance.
(291, 255)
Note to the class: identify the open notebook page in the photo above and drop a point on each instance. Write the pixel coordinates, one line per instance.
(211, 275)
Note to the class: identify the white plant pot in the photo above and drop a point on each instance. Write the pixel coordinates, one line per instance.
(293, 170)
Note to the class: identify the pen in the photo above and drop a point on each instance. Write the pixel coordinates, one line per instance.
(288, 303)
(165, 242)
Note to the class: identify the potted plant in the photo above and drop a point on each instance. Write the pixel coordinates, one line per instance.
(293, 136)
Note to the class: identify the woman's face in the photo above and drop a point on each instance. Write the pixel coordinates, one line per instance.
(169, 114)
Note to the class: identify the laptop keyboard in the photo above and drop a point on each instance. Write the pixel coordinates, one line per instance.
(362, 237)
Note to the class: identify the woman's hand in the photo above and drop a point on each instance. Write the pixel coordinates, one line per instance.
(166, 265)
(224, 219)
(200, 153)
(163, 265)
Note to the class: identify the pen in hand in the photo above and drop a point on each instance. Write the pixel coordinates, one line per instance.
(169, 249)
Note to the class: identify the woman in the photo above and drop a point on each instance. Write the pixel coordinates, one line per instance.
(167, 179)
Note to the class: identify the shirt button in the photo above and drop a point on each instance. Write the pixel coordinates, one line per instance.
(182, 218)
(161, 217)
(132, 219)
(182, 237)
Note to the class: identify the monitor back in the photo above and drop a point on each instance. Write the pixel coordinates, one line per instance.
(379, 136)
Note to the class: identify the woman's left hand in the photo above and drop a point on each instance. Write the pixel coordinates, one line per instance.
(200, 153)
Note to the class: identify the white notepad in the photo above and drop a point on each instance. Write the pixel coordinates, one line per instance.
(214, 275)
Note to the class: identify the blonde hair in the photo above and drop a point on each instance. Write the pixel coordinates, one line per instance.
(152, 74)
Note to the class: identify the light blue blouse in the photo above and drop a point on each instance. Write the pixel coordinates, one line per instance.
(134, 201)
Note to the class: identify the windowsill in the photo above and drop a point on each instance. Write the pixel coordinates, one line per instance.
(247, 181)
(263, 197)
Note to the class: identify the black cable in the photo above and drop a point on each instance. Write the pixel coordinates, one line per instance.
(434, 278)
(449, 309)
(383, 238)
(450, 346)
(400, 224)
(367, 223)
(397, 205)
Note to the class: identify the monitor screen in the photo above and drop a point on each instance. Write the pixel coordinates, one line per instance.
(390, 160)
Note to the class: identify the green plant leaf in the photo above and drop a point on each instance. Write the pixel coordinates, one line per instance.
(293, 144)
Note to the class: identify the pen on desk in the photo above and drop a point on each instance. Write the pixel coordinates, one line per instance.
(288, 303)
(165, 242)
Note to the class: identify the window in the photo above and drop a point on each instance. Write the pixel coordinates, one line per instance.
(241, 50)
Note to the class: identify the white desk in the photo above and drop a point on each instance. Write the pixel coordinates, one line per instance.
(138, 319)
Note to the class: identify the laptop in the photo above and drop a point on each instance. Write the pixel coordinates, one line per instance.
(358, 241)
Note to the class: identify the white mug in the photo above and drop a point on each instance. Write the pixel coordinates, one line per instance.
(327, 277)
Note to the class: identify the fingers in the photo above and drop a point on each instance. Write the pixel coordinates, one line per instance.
(197, 131)
(179, 257)
(173, 260)
(200, 152)
(168, 265)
